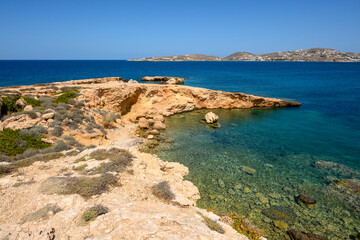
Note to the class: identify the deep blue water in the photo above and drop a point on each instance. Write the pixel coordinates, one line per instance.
(281, 144)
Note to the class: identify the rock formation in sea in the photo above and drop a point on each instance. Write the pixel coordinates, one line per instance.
(71, 165)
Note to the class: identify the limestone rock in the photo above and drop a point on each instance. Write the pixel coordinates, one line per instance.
(28, 108)
(20, 122)
(20, 103)
(248, 170)
(159, 125)
(143, 123)
(167, 80)
(48, 116)
(299, 235)
(159, 118)
(211, 118)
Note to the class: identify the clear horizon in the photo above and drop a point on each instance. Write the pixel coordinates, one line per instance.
(120, 30)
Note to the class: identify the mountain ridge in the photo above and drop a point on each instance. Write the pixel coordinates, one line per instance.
(301, 55)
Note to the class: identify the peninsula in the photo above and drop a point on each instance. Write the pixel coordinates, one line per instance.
(303, 55)
(74, 163)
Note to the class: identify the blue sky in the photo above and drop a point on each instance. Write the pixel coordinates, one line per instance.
(116, 29)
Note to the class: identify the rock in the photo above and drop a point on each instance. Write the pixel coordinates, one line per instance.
(143, 123)
(28, 108)
(211, 118)
(337, 168)
(280, 224)
(151, 121)
(167, 80)
(159, 125)
(299, 235)
(221, 183)
(308, 200)
(264, 200)
(150, 136)
(159, 118)
(153, 132)
(248, 170)
(275, 195)
(280, 213)
(48, 116)
(20, 122)
(20, 103)
(47, 140)
(247, 190)
(133, 119)
(348, 190)
(357, 236)
(237, 186)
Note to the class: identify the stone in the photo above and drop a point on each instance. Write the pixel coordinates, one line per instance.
(167, 80)
(337, 168)
(304, 198)
(28, 108)
(221, 183)
(248, 170)
(153, 132)
(133, 119)
(151, 121)
(264, 200)
(348, 190)
(247, 190)
(280, 224)
(150, 136)
(237, 186)
(280, 213)
(20, 103)
(211, 118)
(159, 125)
(143, 123)
(275, 195)
(299, 235)
(48, 116)
(159, 118)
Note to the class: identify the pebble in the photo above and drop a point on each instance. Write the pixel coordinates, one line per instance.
(264, 200)
(221, 183)
(247, 190)
(275, 195)
(237, 186)
(248, 170)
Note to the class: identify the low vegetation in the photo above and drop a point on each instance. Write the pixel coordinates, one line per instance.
(67, 95)
(32, 101)
(13, 143)
(92, 213)
(162, 191)
(213, 225)
(41, 214)
(84, 186)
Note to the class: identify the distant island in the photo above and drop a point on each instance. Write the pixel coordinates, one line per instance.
(302, 55)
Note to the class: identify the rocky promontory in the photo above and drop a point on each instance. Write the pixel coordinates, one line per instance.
(72, 165)
(302, 55)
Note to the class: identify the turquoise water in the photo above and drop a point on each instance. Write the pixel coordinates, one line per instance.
(280, 144)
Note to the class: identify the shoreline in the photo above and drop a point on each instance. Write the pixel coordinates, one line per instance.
(135, 101)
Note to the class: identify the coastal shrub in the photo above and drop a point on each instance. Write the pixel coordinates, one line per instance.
(5, 169)
(60, 114)
(61, 146)
(109, 120)
(68, 88)
(84, 186)
(32, 101)
(213, 225)
(162, 191)
(47, 103)
(30, 152)
(8, 106)
(80, 167)
(72, 102)
(73, 153)
(10, 142)
(91, 146)
(67, 95)
(41, 214)
(57, 131)
(41, 157)
(82, 159)
(99, 154)
(18, 184)
(65, 106)
(80, 104)
(32, 114)
(47, 150)
(90, 128)
(37, 129)
(92, 213)
(119, 161)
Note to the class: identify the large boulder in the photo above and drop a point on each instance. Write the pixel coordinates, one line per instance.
(20, 103)
(28, 108)
(306, 199)
(159, 125)
(211, 118)
(143, 123)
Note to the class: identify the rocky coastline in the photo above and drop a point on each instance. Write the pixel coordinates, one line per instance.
(302, 55)
(73, 166)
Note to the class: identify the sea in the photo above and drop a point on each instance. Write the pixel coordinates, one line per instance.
(303, 150)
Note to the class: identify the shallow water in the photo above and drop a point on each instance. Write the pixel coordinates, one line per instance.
(282, 150)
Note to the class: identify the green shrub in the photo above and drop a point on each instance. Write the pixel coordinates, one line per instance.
(92, 213)
(84, 186)
(162, 191)
(5, 169)
(61, 146)
(109, 120)
(66, 96)
(8, 106)
(10, 142)
(31, 101)
(57, 131)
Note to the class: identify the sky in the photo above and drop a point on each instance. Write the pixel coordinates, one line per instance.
(119, 29)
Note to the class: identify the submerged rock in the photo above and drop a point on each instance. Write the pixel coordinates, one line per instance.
(299, 235)
(280, 224)
(221, 183)
(306, 199)
(280, 213)
(248, 170)
(337, 168)
(348, 189)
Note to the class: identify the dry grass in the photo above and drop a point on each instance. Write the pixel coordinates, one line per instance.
(162, 191)
(41, 214)
(84, 186)
(213, 225)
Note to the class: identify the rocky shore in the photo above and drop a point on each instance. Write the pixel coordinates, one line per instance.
(71, 165)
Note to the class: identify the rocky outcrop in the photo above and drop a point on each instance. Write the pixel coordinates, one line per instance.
(211, 118)
(167, 80)
(24, 121)
(302, 55)
(348, 189)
